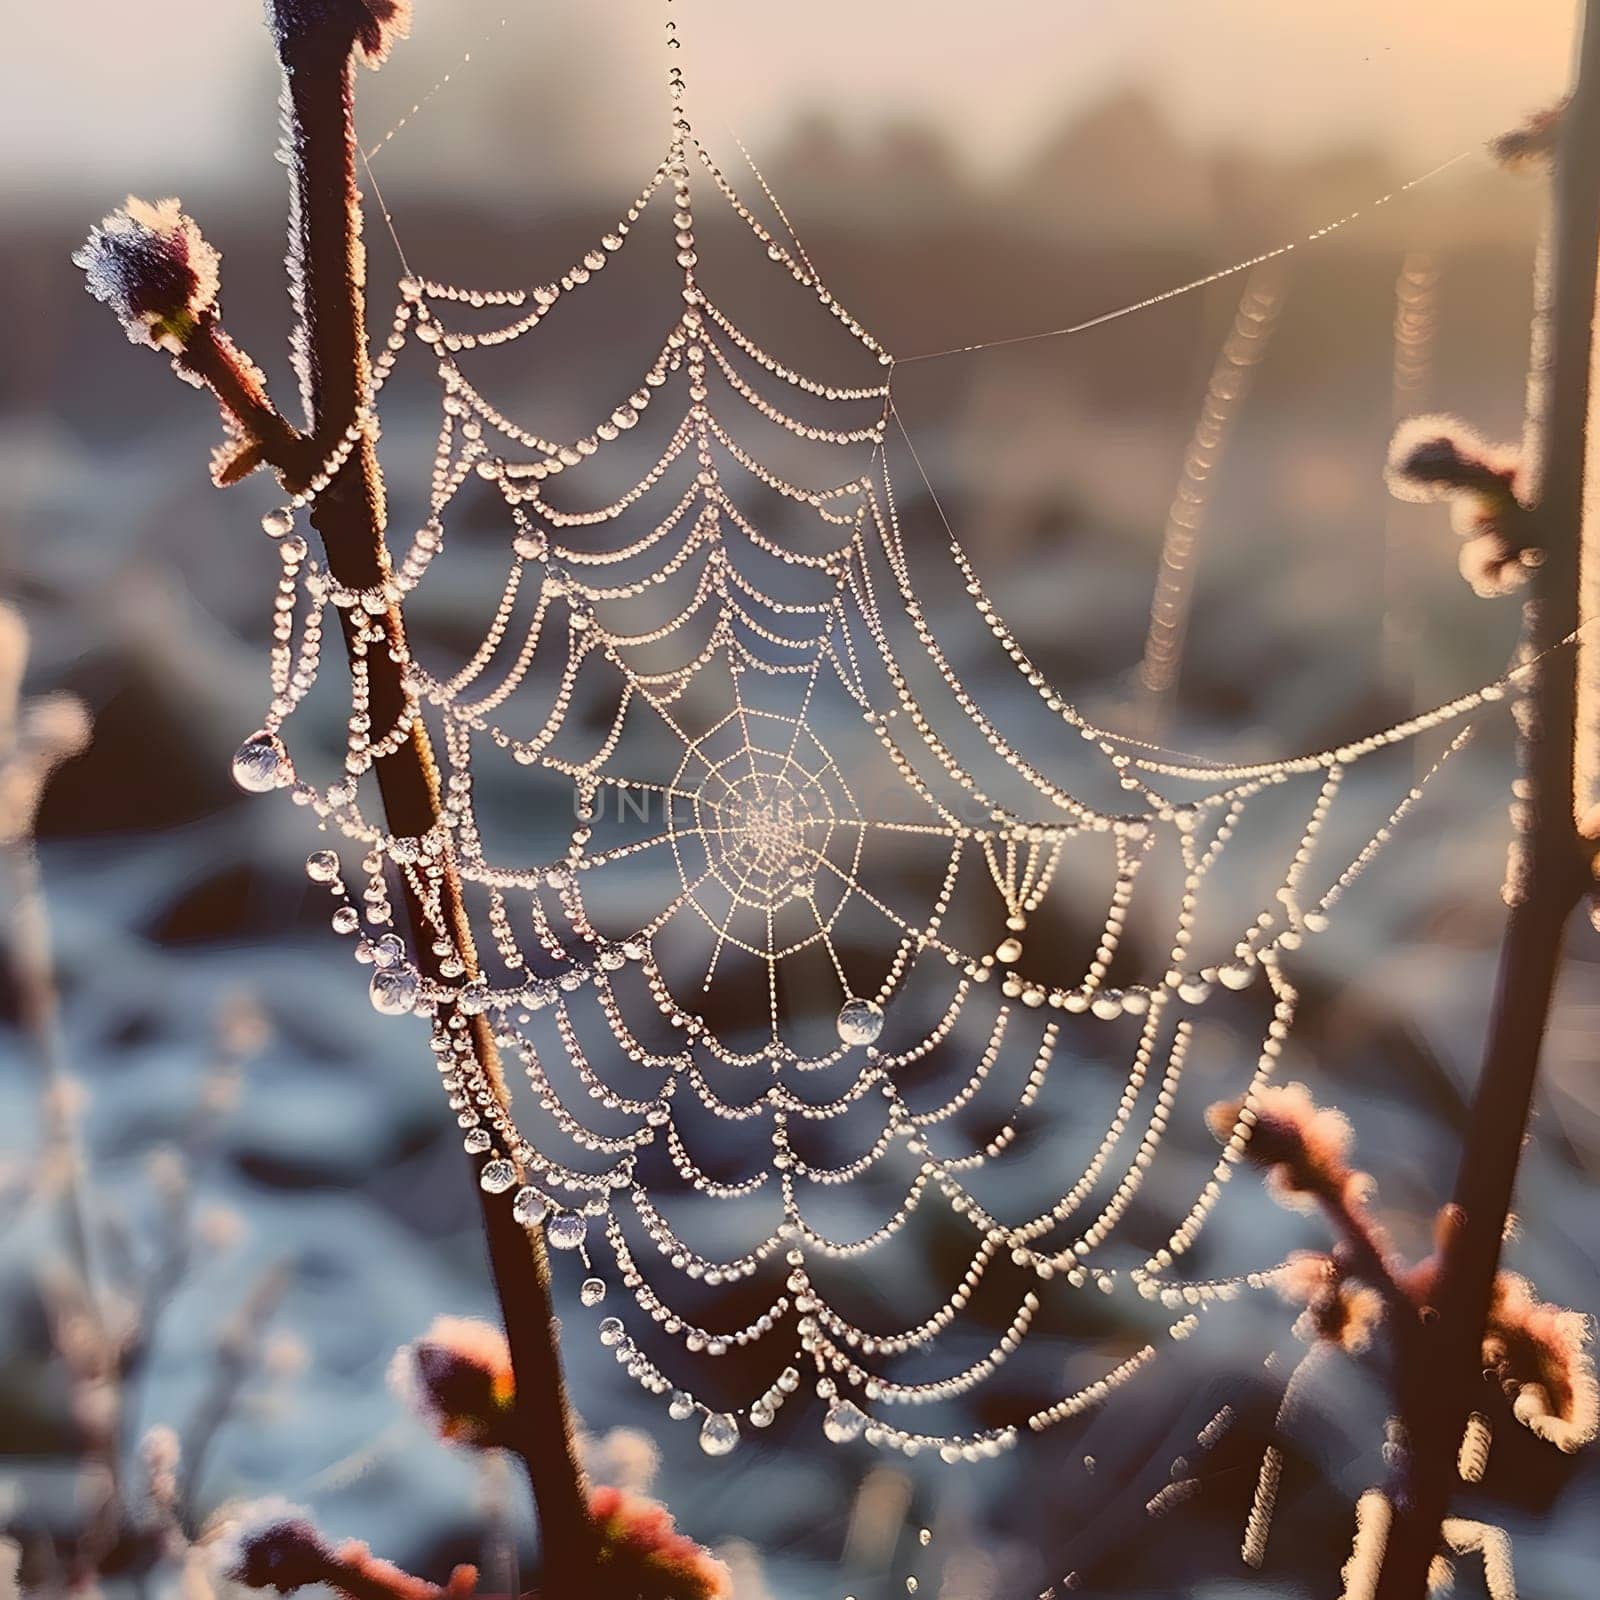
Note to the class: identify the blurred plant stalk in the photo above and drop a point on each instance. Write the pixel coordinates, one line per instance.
(1552, 864)
(35, 738)
(1232, 378)
(1415, 322)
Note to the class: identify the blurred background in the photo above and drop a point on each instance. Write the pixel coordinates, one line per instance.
(255, 1137)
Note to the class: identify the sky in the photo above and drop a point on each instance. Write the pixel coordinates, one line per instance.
(152, 94)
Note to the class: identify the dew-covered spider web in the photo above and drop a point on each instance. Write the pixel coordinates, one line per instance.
(790, 870)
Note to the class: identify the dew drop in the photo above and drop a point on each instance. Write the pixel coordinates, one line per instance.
(860, 1021)
(567, 1231)
(322, 866)
(681, 1406)
(844, 1422)
(389, 951)
(1008, 950)
(497, 1176)
(593, 1291)
(719, 1434)
(346, 920)
(393, 990)
(611, 1332)
(529, 1207)
(260, 764)
(277, 523)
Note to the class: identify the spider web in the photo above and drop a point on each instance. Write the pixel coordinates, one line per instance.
(824, 916)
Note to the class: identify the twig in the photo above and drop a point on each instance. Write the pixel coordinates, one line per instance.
(237, 1348)
(1440, 1379)
(318, 45)
(319, 71)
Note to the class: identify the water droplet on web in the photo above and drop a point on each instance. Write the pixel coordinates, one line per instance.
(346, 920)
(844, 1422)
(593, 1291)
(860, 1021)
(260, 764)
(277, 523)
(393, 990)
(719, 1434)
(389, 951)
(322, 866)
(611, 1332)
(529, 1208)
(567, 1231)
(497, 1176)
(681, 1407)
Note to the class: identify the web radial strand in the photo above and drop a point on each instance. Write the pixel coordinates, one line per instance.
(781, 898)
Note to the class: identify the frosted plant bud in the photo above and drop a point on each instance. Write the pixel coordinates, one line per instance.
(1532, 146)
(646, 1554)
(268, 1544)
(1492, 566)
(369, 27)
(458, 1380)
(1302, 1147)
(151, 265)
(1435, 456)
(1541, 1356)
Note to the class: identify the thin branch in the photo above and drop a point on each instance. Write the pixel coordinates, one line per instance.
(237, 1351)
(213, 358)
(329, 260)
(1440, 1380)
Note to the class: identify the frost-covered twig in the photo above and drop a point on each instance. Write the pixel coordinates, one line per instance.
(151, 265)
(1437, 1388)
(273, 1545)
(1537, 1353)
